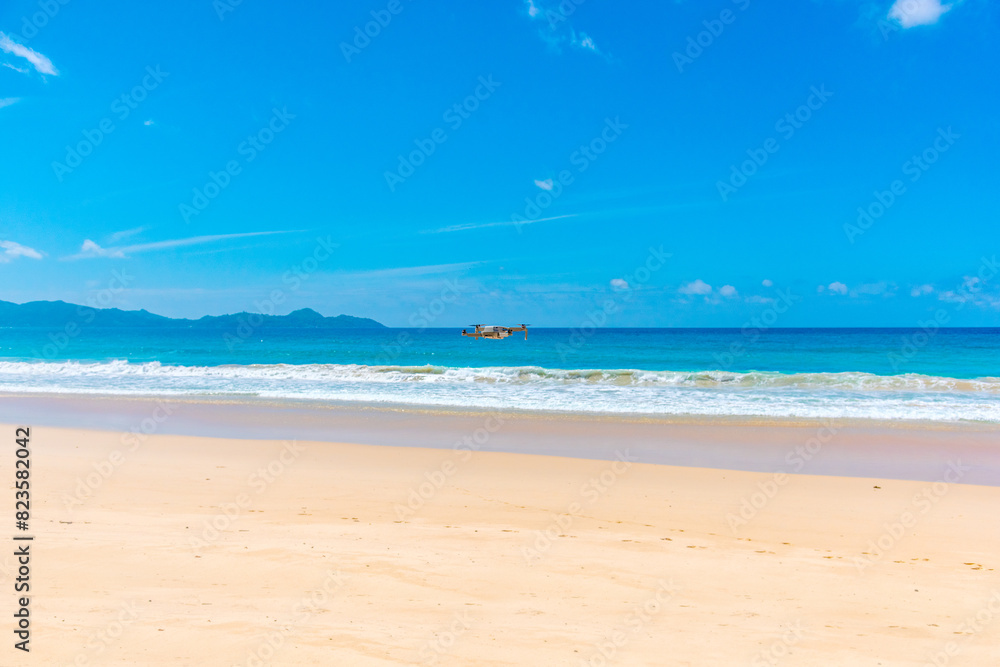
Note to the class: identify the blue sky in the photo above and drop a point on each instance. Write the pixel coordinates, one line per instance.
(507, 161)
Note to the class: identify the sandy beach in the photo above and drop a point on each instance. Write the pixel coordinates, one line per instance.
(166, 548)
(499, 334)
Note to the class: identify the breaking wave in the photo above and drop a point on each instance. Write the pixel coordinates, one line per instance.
(625, 391)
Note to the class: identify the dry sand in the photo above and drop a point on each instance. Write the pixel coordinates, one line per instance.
(207, 551)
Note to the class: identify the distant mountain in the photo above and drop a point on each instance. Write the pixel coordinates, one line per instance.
(59, 314)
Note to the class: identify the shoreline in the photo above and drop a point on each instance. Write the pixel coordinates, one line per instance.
(856, 448)
(320, 405)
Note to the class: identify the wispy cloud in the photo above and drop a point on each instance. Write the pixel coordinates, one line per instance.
(89, 249)
(7, 101)
(882, 288)
(547, 184)
(125, 233)
(42, 64)
(12, 250)
(583, 41)
(921, 290)
(410, 271)
(483, 225)
(837, 287)
(559, 30)
(910, 13)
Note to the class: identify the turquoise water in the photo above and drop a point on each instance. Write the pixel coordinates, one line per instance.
(944, 375)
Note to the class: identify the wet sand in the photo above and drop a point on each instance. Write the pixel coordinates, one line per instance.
(857, 448)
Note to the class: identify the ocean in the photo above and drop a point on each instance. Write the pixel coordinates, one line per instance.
(941, 375)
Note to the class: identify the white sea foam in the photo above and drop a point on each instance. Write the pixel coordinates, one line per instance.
(818, 395)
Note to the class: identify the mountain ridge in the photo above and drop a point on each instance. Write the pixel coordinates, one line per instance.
(61, 313)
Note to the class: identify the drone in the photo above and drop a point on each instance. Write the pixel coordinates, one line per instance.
(495, 332)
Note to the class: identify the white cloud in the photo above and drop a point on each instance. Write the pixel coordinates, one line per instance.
(874, 289)
(42, 64)
(619, 284)
(12, 250)
(727, 291)
(407, 271)
(125, 233)
(544, 185)
(584, 41)
(920, 290)
(89, 249)
(837, 288)
(951, 296)
(910, 13)
(7, 101)
(756, 298)
(699, 286)
(560, 31)
(149, 122)
(766, 283)
(482, 225)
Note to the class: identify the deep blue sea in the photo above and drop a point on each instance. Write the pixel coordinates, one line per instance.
(943, 375)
